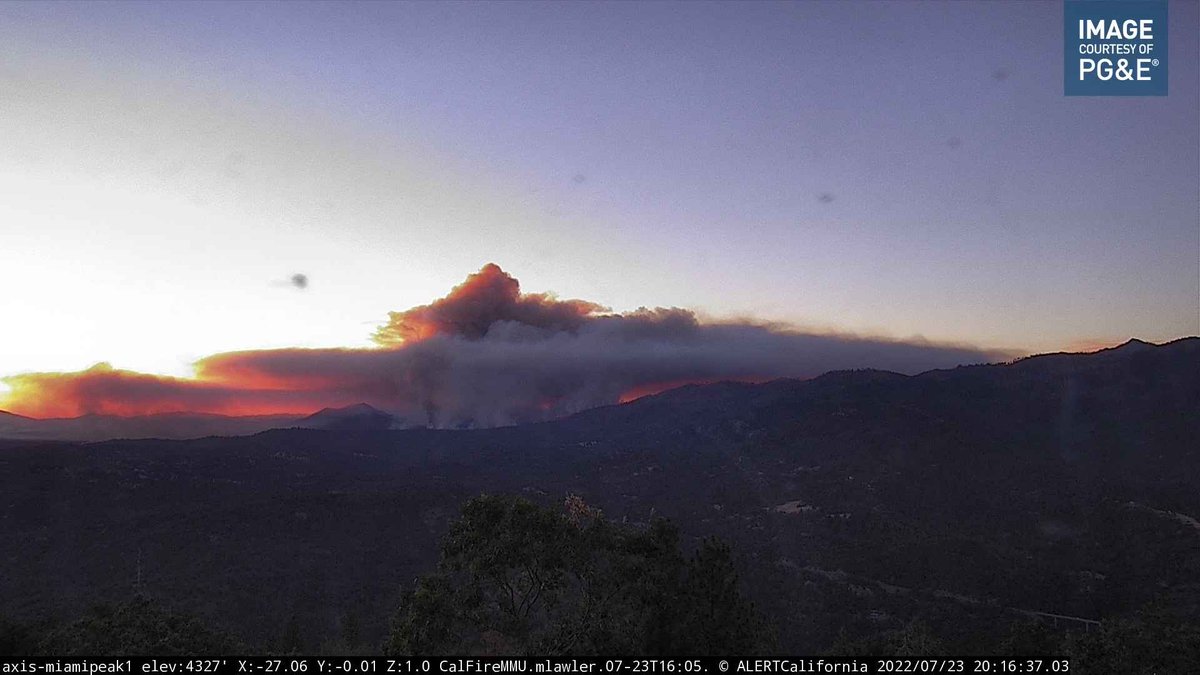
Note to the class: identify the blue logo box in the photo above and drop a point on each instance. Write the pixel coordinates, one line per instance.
(1115, 48)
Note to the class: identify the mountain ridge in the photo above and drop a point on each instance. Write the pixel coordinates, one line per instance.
(1007, 484)
(362, 416)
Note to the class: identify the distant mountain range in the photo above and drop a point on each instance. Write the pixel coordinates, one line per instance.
(856, 501)
(184, 425)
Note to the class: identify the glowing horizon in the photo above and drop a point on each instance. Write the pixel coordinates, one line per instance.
(169, 168)
(485, 353)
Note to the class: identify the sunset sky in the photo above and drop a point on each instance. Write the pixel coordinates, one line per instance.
(897, 170)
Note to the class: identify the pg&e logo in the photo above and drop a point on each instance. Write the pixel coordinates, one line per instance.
(1115, 48)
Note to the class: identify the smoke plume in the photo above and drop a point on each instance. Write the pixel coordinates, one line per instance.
(487, 355)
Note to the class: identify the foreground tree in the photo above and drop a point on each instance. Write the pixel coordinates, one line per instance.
(516, 578)
(1151, 641)
(21, 639)
(135, 628)
(915, 638)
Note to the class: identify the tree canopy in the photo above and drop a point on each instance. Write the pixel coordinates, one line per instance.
(518, 578)
(136, 627)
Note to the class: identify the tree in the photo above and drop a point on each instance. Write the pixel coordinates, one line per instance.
(914, 639)
(351, 631)
(1026, 638)
(715, 618)
(137, 627)
(291, 641)
(517, 578)
(1153, 640)
(20, 639)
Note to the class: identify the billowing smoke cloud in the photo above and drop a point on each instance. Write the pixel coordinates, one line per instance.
(487, 299)
(488, 355)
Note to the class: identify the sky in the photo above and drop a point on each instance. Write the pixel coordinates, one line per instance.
(900, 170)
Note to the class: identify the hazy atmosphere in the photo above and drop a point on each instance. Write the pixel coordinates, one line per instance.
(185, 179)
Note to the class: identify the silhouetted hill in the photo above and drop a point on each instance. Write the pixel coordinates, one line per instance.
(165, 425)
(357, 417)
(857, 500)
(182, 425)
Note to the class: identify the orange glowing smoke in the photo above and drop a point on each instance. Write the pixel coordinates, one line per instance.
(489, 296)
(484, 355)
(104, 390)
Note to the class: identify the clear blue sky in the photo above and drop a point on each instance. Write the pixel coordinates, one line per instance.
(892, 168)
